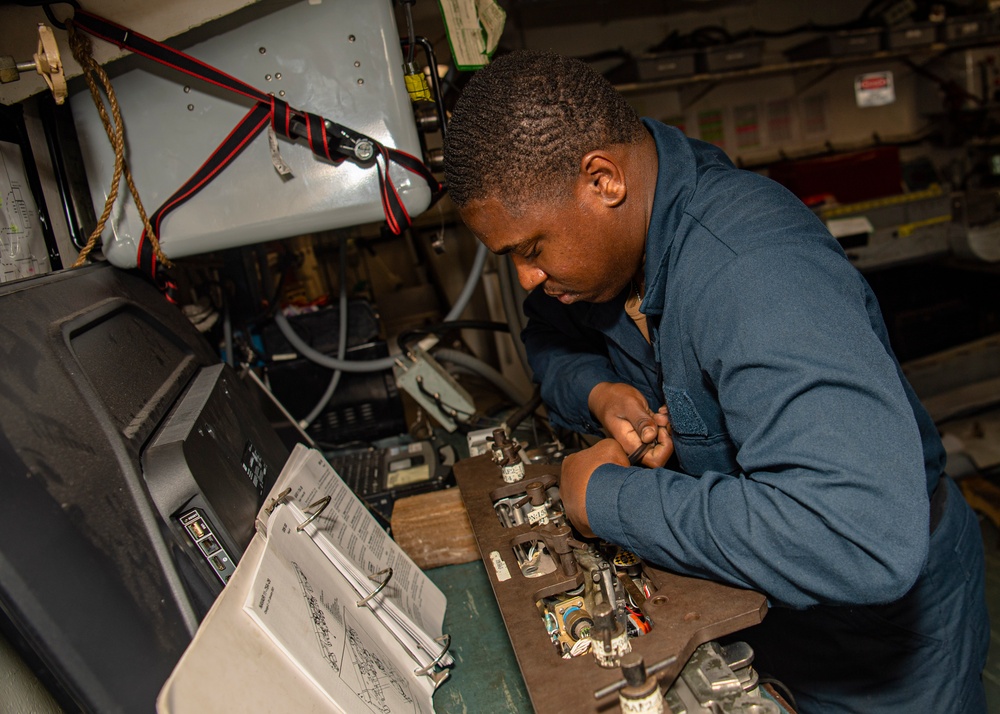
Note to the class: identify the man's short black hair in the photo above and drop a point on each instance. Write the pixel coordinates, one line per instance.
(523, 122)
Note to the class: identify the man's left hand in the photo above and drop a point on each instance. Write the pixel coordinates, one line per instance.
(576, 472)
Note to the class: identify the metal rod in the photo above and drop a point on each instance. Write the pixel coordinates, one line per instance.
(652, 669)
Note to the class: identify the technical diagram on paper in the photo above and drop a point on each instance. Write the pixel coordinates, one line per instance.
(309, 611)
(410, 605)
(22, 245)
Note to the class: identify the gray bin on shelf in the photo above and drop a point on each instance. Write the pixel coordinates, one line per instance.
(738, 55)
(969, 27)
(919, 35)
(838, 44)
(664, 65)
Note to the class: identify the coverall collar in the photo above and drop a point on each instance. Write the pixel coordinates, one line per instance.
(675, 180)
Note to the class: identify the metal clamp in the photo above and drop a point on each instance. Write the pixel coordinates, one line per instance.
(364, 149)
(351, 142)
(269, 508)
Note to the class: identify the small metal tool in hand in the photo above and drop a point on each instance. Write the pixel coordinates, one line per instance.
(635, 458)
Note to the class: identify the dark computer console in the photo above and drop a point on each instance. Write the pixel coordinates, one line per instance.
(131, 464)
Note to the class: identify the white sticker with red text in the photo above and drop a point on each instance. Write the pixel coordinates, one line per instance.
(874, 89)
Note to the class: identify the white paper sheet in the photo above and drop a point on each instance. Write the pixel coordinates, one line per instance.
(309, 611)
(410, 605)
(22, 244)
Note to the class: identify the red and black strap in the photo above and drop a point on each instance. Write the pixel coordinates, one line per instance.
(249, 127)
(126, 39)
(327, 139)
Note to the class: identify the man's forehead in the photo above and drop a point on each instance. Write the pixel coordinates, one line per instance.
(499, 225)
(493, 205)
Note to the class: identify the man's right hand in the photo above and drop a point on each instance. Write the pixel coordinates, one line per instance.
(624, 412)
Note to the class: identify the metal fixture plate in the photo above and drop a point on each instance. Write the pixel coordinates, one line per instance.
(686, 612)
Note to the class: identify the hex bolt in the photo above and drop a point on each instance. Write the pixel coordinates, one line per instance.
(536, 493)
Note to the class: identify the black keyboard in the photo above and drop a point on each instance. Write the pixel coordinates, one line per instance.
(361, 470)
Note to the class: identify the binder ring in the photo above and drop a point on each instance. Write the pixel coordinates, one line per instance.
(380, 588)
(445, 640)
(320, 506)
(276, 500)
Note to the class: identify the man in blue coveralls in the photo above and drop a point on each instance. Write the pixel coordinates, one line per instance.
(680, 302)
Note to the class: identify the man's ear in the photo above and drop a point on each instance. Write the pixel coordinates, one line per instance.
(603, 175)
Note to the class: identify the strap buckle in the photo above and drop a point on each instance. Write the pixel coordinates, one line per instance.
(351, 143)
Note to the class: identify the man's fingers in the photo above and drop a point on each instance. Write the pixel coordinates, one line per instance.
(656, 454)
(660, 453)
(639, 455)
(646, 428)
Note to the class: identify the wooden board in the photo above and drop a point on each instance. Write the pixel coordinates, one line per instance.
(434, 529)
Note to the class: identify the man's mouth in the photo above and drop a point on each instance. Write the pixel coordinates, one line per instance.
(565, 298)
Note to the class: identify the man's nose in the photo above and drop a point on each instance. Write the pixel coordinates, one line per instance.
(528, 275)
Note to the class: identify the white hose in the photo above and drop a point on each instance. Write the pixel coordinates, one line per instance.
(341, 341)
(511, 307)
(378, 365)
(470, 285)
(476, 365)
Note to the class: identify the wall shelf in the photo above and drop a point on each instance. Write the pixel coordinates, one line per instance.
(930, 51)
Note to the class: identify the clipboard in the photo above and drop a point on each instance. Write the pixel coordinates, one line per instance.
(299, 630)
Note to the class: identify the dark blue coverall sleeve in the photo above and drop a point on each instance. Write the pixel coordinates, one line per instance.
(825, 499)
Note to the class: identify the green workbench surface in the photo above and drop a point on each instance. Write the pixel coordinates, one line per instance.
(485, 677)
